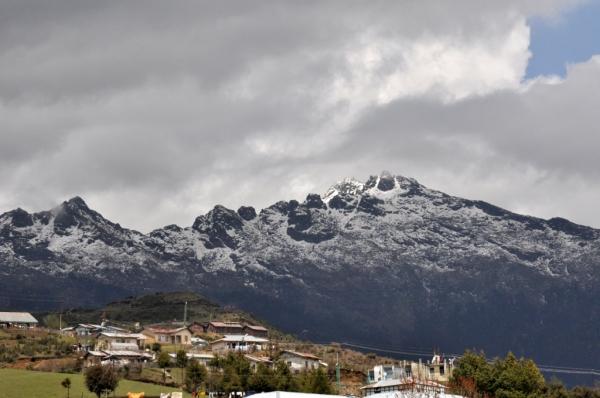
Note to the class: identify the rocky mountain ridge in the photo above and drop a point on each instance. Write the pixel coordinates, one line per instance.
(386, 260)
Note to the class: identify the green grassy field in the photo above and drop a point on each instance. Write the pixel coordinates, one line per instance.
(15, 383)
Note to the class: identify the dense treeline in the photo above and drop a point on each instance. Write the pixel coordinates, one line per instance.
(233, 373)
(509, 377)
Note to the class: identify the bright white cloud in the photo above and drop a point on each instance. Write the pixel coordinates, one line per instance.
(156, 113)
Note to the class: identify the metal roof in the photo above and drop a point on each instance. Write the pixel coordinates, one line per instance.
(235, 338)
(164, 330)
(114, 335)
(302, 355)
(257, 327)
(252, 358)
(17, 317)
(400, 382)
(194, 355)
(226, 324)
(126, 353)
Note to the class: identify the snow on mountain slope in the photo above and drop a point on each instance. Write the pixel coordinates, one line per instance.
(384, 221)
(343, 261)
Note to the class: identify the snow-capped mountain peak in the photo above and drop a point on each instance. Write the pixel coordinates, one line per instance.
(380, 186)
(347, 186)
(388, 245)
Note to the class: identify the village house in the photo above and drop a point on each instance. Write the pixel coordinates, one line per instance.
(203, 358)
(90, 329)
(257, 331)
(120, 341)
(199, 342)
(224, 328)
(198, 328)
(115, 357)
(385, 372)
(239, 343)
(300, 361)
(81, 330)
(256, 360)
(117, 348)
(438, 369)
(405, 384)
(167, 335)
(17, 320)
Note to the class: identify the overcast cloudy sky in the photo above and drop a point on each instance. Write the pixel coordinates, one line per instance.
(155, 111)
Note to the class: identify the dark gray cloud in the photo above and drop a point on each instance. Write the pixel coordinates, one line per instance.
(155, 111)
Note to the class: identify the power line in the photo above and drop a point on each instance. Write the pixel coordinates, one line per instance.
(575, 371)
(34, 299)
(543, 368)
(394, 351)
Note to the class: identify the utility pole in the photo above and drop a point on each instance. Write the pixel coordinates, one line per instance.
(337, 370)
(60, 321)
(185, 314)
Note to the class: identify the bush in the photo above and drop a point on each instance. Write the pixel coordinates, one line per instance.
(101, 379)
(195, 375)
(316, 382)
(507, 377)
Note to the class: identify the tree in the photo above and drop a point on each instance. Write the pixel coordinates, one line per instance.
(66, 383)
(283, 378)
(516, 378)
(316, 382)
(156, 347)
(230, 381)
(236, 363)
(508, 377)
(164, 360)
(472, 375)
(195, 374)
(181, 361)
(52, 321)
(101, 379)
(262, 379)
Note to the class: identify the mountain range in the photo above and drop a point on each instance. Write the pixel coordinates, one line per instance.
(387, 262)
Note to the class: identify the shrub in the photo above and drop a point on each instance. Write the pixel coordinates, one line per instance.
(101, 379)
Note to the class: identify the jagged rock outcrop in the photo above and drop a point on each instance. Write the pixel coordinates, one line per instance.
(387, 262)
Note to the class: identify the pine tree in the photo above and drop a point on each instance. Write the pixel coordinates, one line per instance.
(261, 380)
(195, 374)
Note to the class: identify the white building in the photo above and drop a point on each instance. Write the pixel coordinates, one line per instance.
(405, 385)
(203, 358)
(438, 369)
(286, 394)
(120, 341)
(17, 319)
(413, 394)
(239, 343)
(118, 348)
(90, 329)
(300, 361)
(255, 361)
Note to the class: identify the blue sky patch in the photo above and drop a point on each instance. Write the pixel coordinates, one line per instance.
(574, 38)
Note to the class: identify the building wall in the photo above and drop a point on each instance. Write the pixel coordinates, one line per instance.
(256, 333)
(107, 343)
(224, 329)
(222, 347)
(298, 364)
(183, 337)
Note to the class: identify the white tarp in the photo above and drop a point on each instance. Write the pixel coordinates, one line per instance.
(285, 394)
